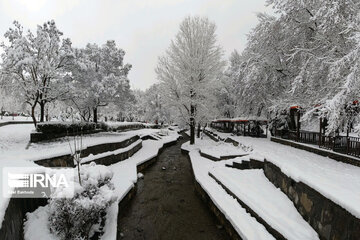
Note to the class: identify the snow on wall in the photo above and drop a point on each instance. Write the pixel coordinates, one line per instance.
(337, 181)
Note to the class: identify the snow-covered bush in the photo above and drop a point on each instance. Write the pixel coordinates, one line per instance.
(65, 127)
(83, 215)
(120, 126)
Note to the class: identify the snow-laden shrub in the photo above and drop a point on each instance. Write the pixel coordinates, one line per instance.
(81, 216)
(102, 125)
(121, 126)
(65, 127)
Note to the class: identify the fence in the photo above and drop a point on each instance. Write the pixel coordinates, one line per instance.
(341, 144)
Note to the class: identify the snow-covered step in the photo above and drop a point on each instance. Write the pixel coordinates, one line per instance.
(157, 136)
(243, 165)
(246, 226)
(265, 202)
(152, 136)
(247, 163)
(111, 157)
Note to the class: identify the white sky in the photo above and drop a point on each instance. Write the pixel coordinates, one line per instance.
(143, 28)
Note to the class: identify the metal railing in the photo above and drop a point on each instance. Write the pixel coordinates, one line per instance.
(341, 144)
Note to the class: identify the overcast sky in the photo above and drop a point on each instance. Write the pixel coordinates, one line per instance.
(143, 28)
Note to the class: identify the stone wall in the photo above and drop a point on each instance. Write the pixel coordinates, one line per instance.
(233, 235)
(67, 160)
(212, 135)
(14, 216)
(12, 227)
(330, 221)
(39, 136)
(213, 208)
(323, 152)
(114, 158)
(123, 204)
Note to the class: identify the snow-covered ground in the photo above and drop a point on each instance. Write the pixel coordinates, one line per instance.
(272, 205)
(215, 149)
(17, 118)
(14, 137)
(16, 151)
(337, 181)
(223, 150)
(246, 226)
(15, 145)
(124, 177)
(37, 226)
(123, 124)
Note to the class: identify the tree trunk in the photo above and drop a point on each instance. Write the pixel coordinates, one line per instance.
(198, 130)
(42, 111)
(95, 115)
(33, 114)
(192, 131)
(192, 125)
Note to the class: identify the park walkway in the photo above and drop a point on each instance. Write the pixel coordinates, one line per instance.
(166, 205)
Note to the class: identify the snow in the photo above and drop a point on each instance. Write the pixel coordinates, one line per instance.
(16, 119)
(15, 145)
(91, 174)
(340, 182)
(322, 149)
(16, 151)
(118, 124)
(243, 118)
(4, 201)
(246, 226)
(124, 176)
(215, 149)
(223, 150)
(15, 137)
(199, 143)
(36, 227)
(92, 157)
(254, 189)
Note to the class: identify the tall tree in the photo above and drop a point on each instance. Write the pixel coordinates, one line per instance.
(155, 111)
(228, 92)
(308, 55)
(35, 63)
(189, 70)
(99, 77)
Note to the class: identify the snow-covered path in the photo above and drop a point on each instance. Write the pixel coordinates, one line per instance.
(15, 137)
(253, 189)
(15, 119)
(15, 145)
(337, 181)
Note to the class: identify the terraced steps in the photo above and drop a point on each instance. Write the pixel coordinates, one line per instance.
(111, 157)
(152, 136)
(324, 192)
(212, 155)
(265, 202)
(97, 149)
(243, 164)
(235, 219)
